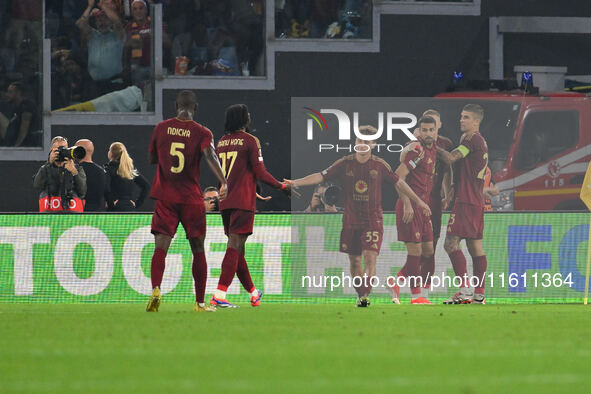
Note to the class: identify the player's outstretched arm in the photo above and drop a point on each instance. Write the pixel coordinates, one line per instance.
(214, 163)
(455, 155)
(264, 176)
(403, 188)
(310, 180)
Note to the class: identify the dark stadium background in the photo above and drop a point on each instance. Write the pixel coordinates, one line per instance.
(411, 62)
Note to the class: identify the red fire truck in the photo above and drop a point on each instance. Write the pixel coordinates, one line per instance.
(539, 145)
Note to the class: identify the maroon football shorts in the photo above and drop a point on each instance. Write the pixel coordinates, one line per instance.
(466, 221)
(167, 216)
(418, 230)
(355, 240)
(237, 221)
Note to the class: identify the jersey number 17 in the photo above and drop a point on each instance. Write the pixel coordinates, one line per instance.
(228, 159)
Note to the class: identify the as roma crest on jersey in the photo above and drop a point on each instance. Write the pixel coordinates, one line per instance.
(360, 187)
(373, 174)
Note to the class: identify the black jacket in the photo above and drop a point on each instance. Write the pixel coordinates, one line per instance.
(58, 182)
(121, 189)
(95, 186)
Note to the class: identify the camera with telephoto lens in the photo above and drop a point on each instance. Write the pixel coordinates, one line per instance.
(75, 152)
(330, 195)
(216, 203)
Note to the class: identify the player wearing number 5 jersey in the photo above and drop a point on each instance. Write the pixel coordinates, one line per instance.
(467, 217)
(242, 163)
(177, 147)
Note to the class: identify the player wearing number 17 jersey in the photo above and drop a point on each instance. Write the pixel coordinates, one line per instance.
(242, 163)
(177, 147)
(467, 217)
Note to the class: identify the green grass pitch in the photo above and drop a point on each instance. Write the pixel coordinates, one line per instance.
(295, 348)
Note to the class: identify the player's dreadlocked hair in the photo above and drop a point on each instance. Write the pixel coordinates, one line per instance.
(237, 117)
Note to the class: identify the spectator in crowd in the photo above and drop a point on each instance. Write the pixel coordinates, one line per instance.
(247, 28)
(61, 183)
(222, 54)
(323, 18)
(95, 179)
(24, 35)
(317, 203)
(323, 13)
(103, 32)
(138, 42)
(211, 198)
(193, 45)
(67, 80)
(122, 180)
(23, 127)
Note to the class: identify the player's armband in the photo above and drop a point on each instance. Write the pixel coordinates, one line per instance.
(463, 150)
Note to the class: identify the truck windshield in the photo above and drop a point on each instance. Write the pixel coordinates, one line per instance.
(497, 128)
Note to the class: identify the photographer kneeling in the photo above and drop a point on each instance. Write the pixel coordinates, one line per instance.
(61, 182)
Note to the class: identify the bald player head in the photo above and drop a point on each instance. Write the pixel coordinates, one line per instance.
(89, 146)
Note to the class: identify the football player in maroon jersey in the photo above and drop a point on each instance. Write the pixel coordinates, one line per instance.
(467, 217)
(242, 163)
(417, 168)
(441, 189)
(177, 147)
(361, 175)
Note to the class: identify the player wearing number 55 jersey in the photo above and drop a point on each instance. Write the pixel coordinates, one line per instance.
(242, 163)
(177, 147)
(361, 176)
(467, 217)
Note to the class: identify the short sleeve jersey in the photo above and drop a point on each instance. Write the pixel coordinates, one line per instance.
(239, 153)
(421, 166)
(362, 188)
(472, 169)
(179, 146)
(445, 144)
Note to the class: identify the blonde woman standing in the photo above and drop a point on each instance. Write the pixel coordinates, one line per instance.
(122, 180)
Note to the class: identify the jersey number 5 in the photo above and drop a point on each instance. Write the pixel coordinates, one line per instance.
(175, 150)
(228, 159)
